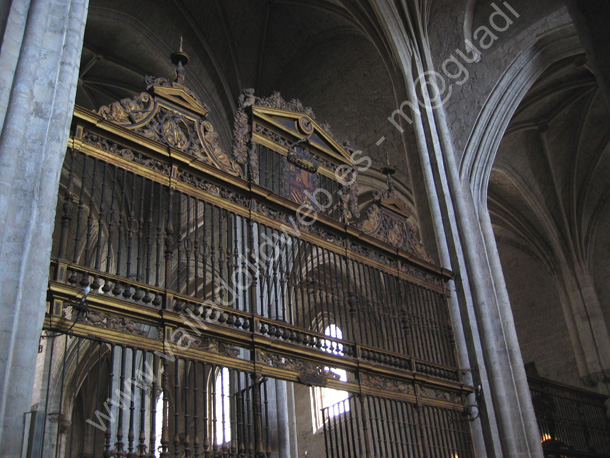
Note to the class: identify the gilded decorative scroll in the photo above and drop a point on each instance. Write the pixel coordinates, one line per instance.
(171, 114)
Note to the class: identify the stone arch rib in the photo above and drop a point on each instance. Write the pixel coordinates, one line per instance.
(502, 103)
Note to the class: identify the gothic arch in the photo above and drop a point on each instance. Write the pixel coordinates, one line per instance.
(502, 103)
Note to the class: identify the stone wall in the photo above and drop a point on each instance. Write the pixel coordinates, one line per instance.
(539, 318)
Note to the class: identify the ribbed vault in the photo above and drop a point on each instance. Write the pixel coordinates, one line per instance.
(548, 195)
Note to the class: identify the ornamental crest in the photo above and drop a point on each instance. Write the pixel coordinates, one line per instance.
(171, 114)
(388, 220)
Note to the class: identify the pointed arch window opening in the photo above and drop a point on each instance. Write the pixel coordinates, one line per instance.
(222, 407)
(326, 397)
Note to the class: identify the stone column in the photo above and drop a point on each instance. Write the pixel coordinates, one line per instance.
(39, 61)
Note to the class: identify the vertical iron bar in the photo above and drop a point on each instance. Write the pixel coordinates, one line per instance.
(215, 375)
(273, 282)
(302, 279)
(213, 253)
(207, 375)
(266, 414)
(185, 407)
(131, 225)
(337, 419)
(108, 433)
(97, 386)
(121, 224)
(356, 427)
(221, 253)
(370, 331)
(155, 390)
(169, 238)
(233, 411)
(149, 230)
(141, 448)
(188, 246)
(159, 237)
(324, 315)
(111, 216)
(86, 396)
(241, 434)
(177, 407)
(205, 257)
(140, 228)
(246, 272)
(196, 249)
(309, 275)
(165, 427)
(394, 301)
(235, 265)
(100, 221)
(67, 207)
(372, 297)
(90, 214)
(132, 393)
(196, 365)
(74, 392)
(230, 236)
(81, 206)
(180, 239)
(337, 296)
(222, 407)
(283, 267)
(326, 434)
(119, 435)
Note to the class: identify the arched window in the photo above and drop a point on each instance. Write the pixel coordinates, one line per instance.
(221, 418)
(326, 397)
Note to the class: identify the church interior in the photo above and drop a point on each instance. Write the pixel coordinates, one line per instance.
(305, 228)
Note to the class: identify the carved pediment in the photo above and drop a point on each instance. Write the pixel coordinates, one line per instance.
(284, 124)
(302, 126)
(171, 114)
(396, 206)
(178, 94)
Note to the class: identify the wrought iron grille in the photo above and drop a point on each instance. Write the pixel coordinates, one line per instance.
(106, 399)
(143, 241)
(572, 422)
(205, 272)
(378, 427)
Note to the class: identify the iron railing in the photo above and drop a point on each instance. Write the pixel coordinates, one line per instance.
(572, 422)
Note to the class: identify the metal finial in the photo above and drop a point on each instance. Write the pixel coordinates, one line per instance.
(180, 59)
(388, 171)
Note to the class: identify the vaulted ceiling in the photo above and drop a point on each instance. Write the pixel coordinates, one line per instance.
(548, 197)
(551, 179)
